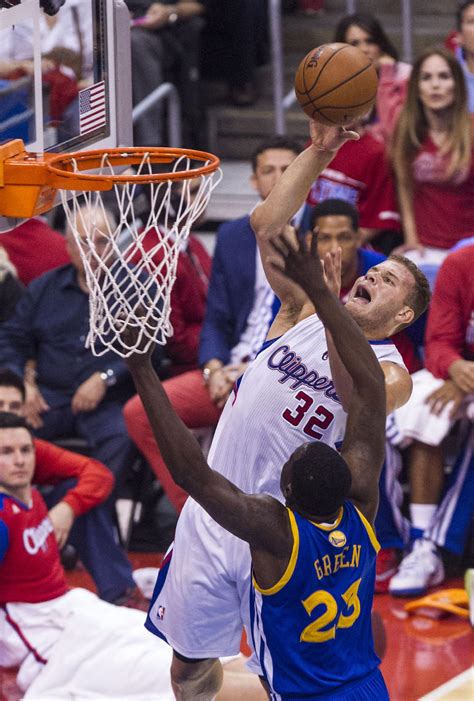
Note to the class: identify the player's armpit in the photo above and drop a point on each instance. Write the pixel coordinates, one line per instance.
(288, 316)
(398, 385)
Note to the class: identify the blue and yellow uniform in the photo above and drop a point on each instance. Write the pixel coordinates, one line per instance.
(312, 631)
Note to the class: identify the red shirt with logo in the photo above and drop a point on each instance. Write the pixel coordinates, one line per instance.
(30, 568)
(443, 207)
(359, 174)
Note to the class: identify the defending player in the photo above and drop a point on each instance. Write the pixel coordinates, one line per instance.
(286, 397)
(313, 561)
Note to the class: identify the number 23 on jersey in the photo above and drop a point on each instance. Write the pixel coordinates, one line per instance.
(314, 633)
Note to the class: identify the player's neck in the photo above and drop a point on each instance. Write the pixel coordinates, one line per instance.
(22, 494)
(326, 520)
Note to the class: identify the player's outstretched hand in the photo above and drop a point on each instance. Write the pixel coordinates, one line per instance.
(133, 335)
(299, 262)
(327, 138)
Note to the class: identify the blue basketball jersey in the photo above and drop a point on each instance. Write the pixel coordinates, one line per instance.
(312, 631)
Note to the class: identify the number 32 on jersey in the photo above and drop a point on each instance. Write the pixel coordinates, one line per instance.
(319, 420)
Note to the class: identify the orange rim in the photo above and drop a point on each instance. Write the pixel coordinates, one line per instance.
(64, 167)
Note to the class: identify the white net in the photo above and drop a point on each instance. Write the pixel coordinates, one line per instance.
(129, 239)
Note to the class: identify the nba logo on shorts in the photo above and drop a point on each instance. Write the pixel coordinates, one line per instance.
(161, 612)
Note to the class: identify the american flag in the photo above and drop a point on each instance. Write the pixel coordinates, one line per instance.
(92, 112)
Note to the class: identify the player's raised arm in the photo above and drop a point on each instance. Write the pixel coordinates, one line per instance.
(363, 447)
(271, 216)
(258, 519)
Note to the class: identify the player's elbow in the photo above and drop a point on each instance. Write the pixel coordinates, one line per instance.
(261, 222)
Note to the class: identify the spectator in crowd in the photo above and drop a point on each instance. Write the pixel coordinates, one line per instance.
(79, 483)
(71, 391)
(442, 393)
(335, 223)
(366, 33)
(66, 40)
(166, 39)
(34, 248)
(360, 174)
(66, 639)
(432, 158)
(240, 308)
(235, 43)
(11, 288)
(465, 46)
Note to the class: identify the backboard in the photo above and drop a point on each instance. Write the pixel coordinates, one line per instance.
(65, 81)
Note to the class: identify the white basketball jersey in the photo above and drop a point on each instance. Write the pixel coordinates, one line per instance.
(285, 398)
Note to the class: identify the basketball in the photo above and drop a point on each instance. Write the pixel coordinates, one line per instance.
(335, 84)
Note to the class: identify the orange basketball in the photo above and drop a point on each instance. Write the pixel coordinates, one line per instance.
(335, 84)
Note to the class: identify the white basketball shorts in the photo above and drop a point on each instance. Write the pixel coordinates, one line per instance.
(201, 597)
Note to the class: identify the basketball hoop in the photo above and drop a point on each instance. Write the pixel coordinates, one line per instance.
(129, 257)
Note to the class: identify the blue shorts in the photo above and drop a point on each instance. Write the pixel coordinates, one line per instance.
(371, 688)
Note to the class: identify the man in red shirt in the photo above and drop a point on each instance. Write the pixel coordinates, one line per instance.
(81, 484)
(442, 393)
(40, 616)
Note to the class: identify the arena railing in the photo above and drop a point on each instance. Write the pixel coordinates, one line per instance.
(168, 93)
(281, 102)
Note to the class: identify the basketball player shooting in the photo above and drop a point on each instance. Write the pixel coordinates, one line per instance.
(287, 396)
(317, 551)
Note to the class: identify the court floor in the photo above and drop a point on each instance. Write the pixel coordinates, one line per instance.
(426, 659)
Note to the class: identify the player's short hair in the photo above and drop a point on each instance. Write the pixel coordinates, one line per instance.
(9, 420)
(8, 378)
(419, 295)
(462, 7)
(275, 142)
(334, 207)
(320, 480)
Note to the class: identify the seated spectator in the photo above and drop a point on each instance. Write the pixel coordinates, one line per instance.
(465, 46)
(442, 393)
(433, 158)
(34, 248)
(66, 639)
(11, 288)
(366, 33)
(240, 308)
(66, 41)
(335, 223)
(235, 44)
(72, 392)
(79, 484)
(360, 174)
(166, 38)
